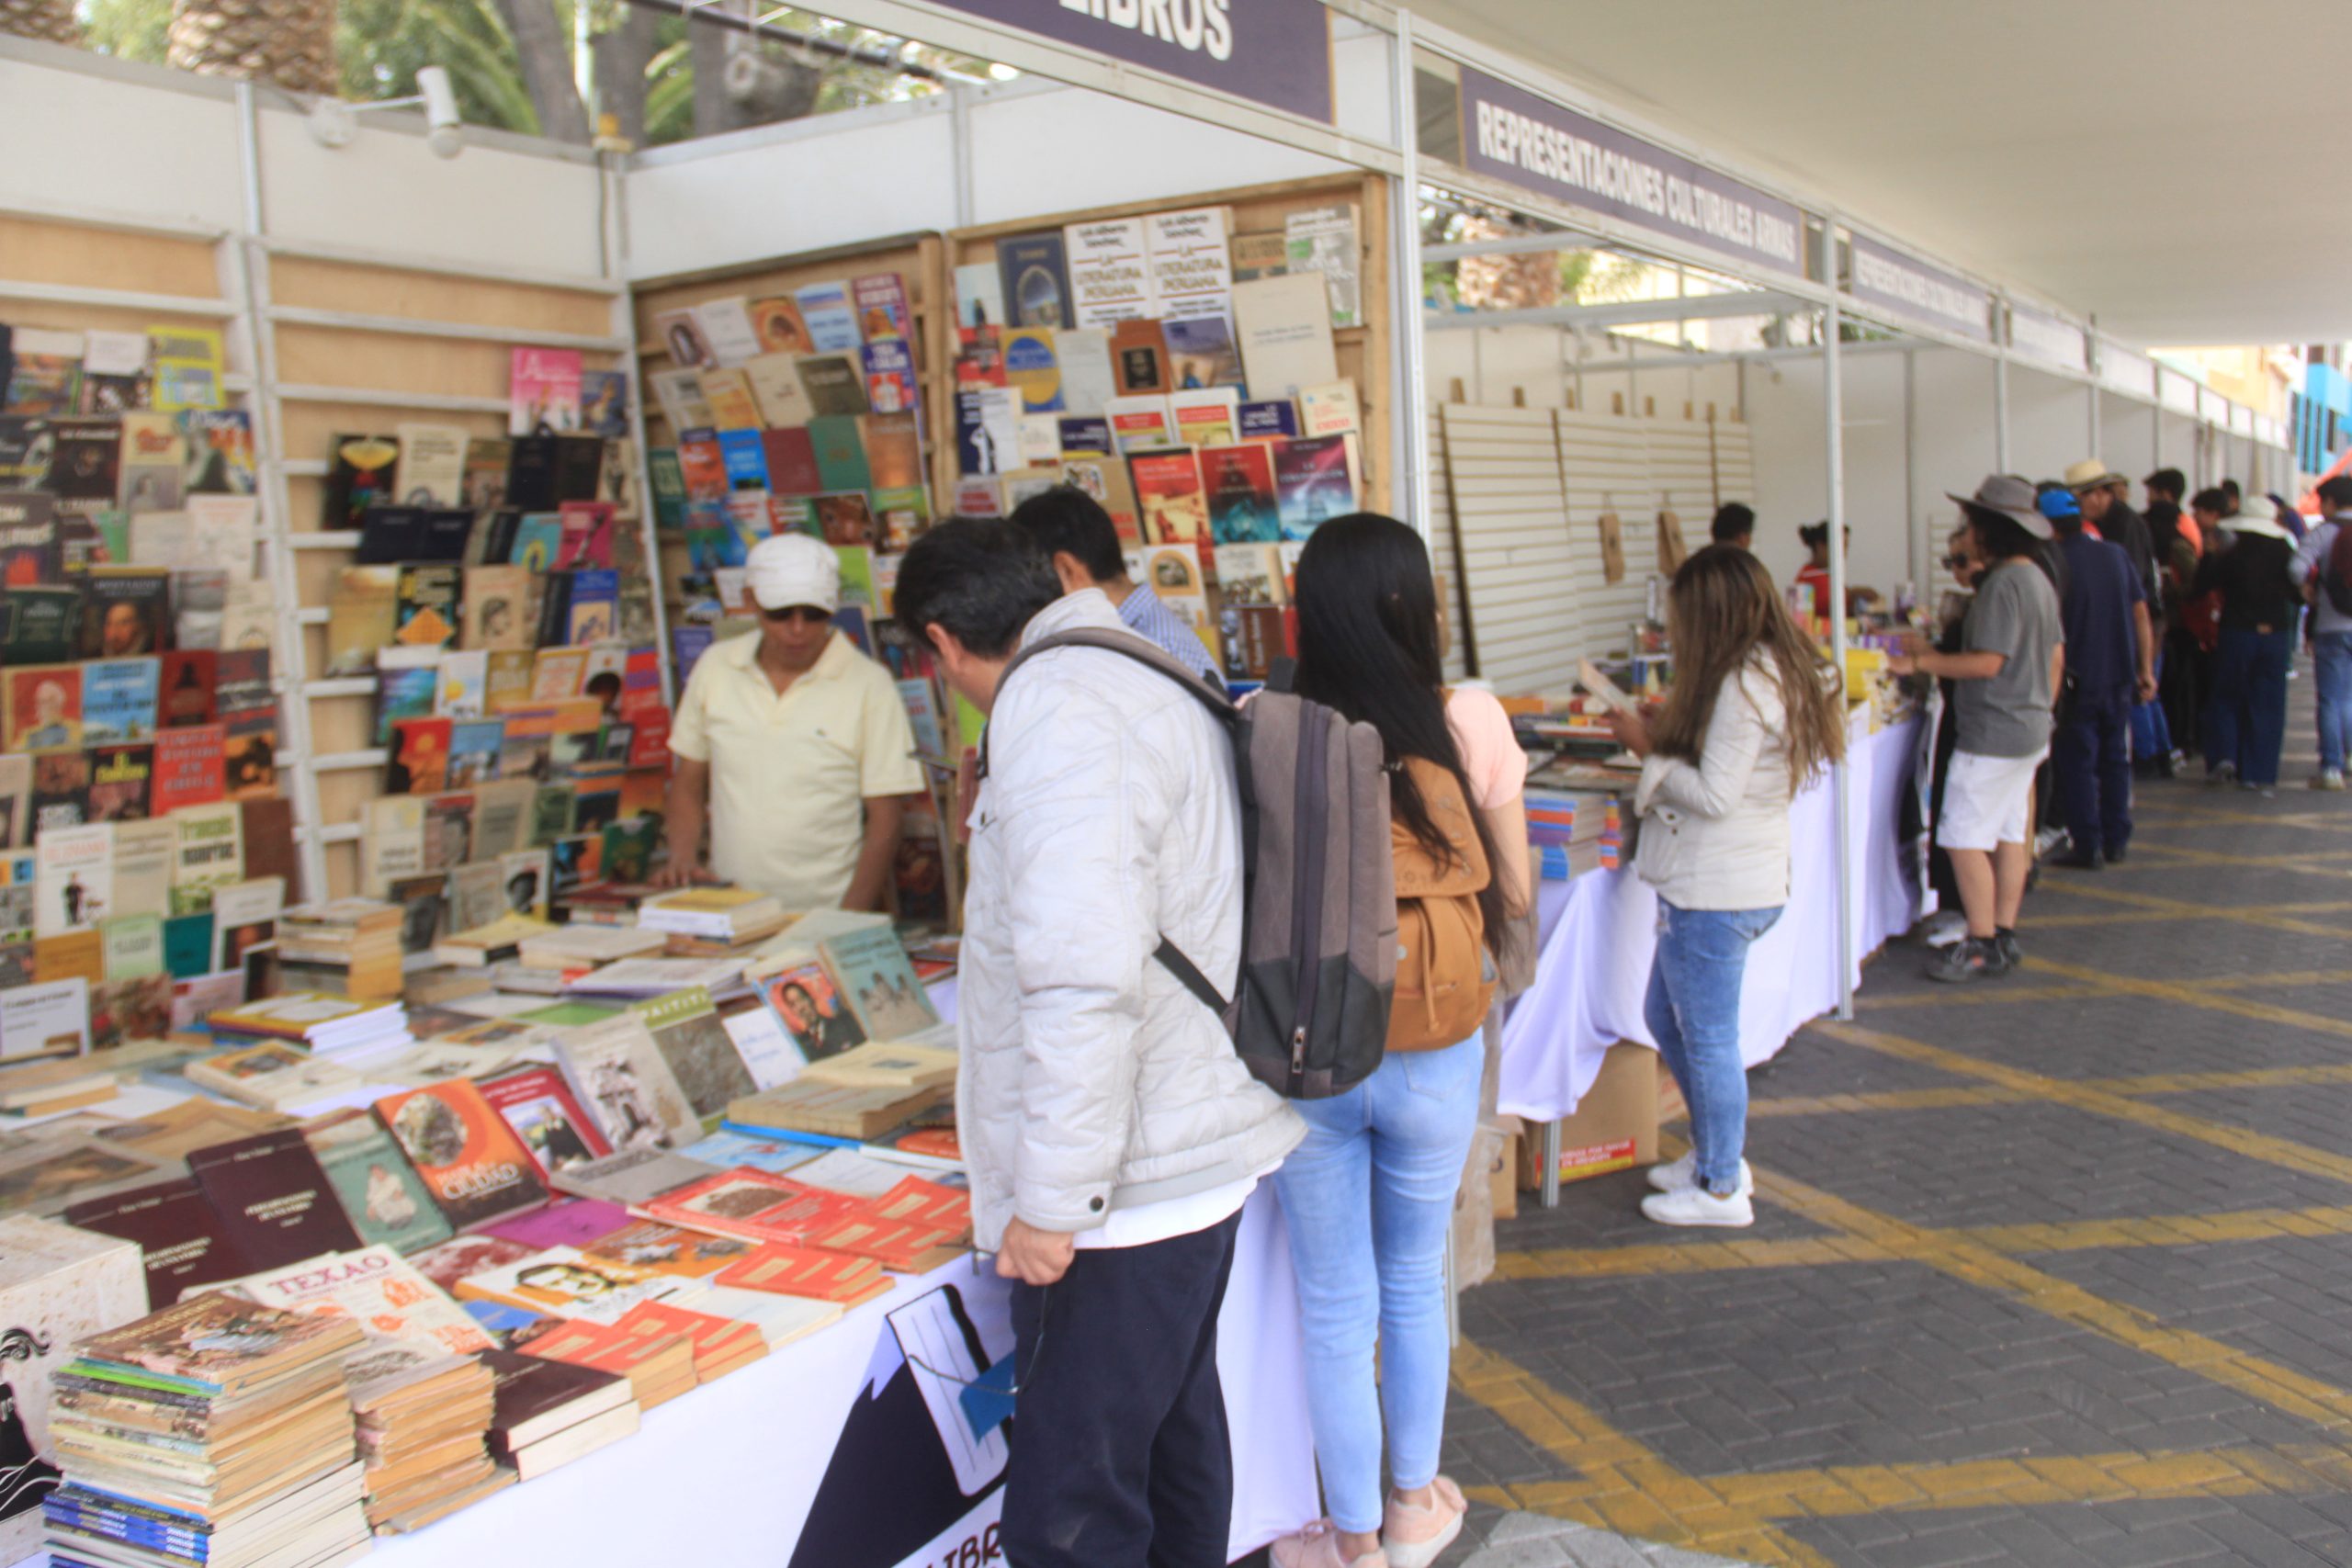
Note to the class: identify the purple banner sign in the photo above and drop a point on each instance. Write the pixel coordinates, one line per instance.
(2038, 335)
(1913, 289)
(1534, 143)
(1275, 52)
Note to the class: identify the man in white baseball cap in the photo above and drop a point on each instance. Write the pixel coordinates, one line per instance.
(792, 745)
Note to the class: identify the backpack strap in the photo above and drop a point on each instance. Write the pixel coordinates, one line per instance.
(1127, 645)
(1130, 645)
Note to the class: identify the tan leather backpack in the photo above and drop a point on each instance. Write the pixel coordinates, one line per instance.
(1444, 982)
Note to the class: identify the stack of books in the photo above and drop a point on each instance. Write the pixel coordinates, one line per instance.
(215, 1431)
(347, 948)
(1569, 828)
(424, 1422)
(811, 1107)
(723, 917)
(579, 948)
(327, 1026)
(550, 1412)
(53, 1084)
(658, 1367)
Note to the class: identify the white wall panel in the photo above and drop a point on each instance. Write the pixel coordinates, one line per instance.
(83, 143)
(1068, 149)
(387, 192)
(841, 180)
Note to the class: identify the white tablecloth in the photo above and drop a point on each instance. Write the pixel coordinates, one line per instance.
(1599, 931)
(825, 1455)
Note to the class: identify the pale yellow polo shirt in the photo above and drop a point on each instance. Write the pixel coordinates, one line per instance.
(790, 774)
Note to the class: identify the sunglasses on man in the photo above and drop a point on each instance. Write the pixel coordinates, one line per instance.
(807, 615)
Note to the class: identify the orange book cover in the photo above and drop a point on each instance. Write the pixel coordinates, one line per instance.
(472, 1162)
(648, 1360)
(1174, 507)
(808, 1272)
(754, 1205)
(721, 1344)
(668, 1249)
(919, 1202)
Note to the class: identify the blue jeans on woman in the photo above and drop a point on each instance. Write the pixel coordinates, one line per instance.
(2332, 673)
(1370, 1198)
(2246, 724)
(1692, 1009)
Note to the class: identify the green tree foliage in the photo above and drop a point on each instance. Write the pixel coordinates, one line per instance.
(381, 44)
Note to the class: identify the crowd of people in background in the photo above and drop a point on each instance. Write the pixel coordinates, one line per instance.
(2086, 644)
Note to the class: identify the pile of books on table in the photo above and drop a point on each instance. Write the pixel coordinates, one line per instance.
(216, 1431)
(423, 1418)
(1574, 831)
(712, 920)
(350, 947)
(326, 1026)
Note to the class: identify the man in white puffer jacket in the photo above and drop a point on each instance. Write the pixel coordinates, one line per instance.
(1111, 1132)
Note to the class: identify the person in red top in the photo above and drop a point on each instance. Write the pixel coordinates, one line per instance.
(1814, 575)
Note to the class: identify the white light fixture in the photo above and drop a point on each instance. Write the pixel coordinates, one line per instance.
(334, 122)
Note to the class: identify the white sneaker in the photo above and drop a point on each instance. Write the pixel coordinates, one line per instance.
(2332, 778)
(1678, 1175)
(1691, 1206)
(1944, 928)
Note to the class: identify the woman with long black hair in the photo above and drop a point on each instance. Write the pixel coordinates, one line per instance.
(1369, 1195)
(1752, 714)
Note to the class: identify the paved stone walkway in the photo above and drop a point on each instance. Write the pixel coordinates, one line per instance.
(2055, 1271)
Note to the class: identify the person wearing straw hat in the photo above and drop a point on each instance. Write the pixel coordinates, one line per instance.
(2245, 721)
(793, 745)
(2004, 678)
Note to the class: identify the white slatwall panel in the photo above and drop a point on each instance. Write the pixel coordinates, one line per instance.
(1443, 554)
(1517, 562)
(1735, 461)
(1604, 462)
(1683, 467)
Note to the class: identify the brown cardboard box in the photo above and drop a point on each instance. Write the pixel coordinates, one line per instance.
(1503, 1177)
(1615, 1127)
(1474, 1212)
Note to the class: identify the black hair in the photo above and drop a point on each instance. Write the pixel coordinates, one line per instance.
(981, 577)
(2216, 501)
(1067, 519)
(603, 681)
(2167, 482)
(2336, 491)
(1368, 648)
(1815, 534)
(2002, 537)
(1733, 522)
(2230, 487)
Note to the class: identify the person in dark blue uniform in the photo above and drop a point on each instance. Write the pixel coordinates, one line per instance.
(2110, 668)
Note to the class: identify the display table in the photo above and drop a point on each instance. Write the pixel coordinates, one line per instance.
(837, 1451)
(1600, 929)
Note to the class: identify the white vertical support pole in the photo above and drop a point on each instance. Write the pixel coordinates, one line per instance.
(1409, 422)
(1916, 527)
(2091, 424)
(959, 130)
(624, 327)
(1832, 397)
(2001, 410)
(290, 663)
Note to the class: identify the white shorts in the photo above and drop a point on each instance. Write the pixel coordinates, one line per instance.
(1988, 800)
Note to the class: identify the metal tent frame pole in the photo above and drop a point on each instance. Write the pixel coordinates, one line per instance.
(1410, 415)
(1833, 398)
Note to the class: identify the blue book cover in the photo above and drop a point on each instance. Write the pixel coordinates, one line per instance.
(1035, 271)
(604, 403)
(1272, 419)
(746, 459)
(538, 540)
(831, 322)
(687, 644)
(725, 1149)
(595, 596)
(119, 700)
(475, 747)
(404, 692)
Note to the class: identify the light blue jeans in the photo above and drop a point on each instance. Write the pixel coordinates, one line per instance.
(2332, 672)
(1692, 1009)
(1370, 1197)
